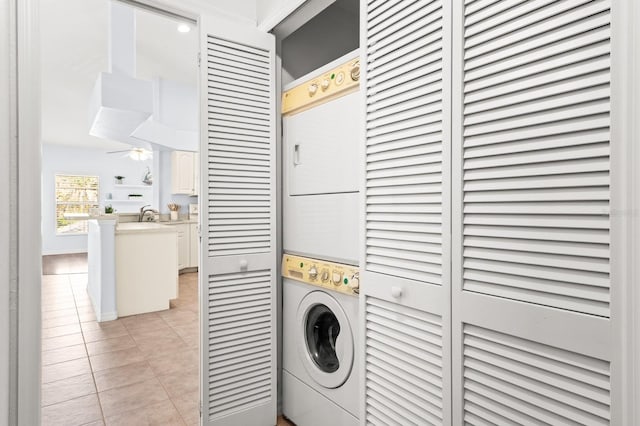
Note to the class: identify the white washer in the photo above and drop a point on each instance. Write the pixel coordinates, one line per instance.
(320, 368)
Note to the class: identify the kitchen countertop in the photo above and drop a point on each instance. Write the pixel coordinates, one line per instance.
(142, 227)
(178, 222)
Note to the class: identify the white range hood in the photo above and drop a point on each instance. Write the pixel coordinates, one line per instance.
(174, 123)
(120, 102)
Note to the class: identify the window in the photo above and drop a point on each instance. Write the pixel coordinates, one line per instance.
(76, 196)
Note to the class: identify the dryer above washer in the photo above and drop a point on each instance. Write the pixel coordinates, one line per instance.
(322, 130)
(322, 171)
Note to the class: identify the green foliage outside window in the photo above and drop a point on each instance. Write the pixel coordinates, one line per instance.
(75, 197)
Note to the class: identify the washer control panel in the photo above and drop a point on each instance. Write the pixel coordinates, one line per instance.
(337, 82)
(329, 275)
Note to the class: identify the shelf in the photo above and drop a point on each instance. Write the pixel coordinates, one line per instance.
(126, 201)
(122, 185)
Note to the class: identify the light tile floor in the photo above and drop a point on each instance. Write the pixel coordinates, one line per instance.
(138, 370)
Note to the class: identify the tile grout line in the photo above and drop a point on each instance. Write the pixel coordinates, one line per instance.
(84, 342)
(67, 281)
(169, 396)
(157, 376)
(162, 384)
(85, 350)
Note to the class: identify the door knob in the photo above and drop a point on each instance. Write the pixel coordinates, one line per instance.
(396, 292)
(244, 265)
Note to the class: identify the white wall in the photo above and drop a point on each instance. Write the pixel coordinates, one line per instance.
(84, 161)
(267, 8)
(89, 161)
(6, 200)
(244, 10)
(270, 12)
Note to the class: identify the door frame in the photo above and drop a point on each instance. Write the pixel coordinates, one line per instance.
(23, 189)
(625, 206)
(20, 53)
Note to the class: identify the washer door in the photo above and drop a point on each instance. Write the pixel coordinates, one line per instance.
(325, 341)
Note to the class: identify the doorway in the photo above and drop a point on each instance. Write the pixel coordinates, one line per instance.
(142, 368)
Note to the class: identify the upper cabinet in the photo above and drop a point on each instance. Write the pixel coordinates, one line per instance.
(184, 173)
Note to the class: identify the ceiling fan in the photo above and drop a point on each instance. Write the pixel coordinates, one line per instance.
(137, 154)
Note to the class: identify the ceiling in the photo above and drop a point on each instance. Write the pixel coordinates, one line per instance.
(74, 46)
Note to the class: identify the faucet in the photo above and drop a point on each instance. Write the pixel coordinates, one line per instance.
(144, 210)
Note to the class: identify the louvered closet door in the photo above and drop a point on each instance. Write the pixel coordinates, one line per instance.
(532, 337)
(405, 269)
(238, 264)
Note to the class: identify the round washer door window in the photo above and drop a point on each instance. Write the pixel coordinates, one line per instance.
(322, 331)
(325, 341)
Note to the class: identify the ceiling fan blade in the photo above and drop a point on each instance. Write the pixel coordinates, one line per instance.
(115, 152)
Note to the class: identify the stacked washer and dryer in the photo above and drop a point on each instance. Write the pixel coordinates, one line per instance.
(321, 134)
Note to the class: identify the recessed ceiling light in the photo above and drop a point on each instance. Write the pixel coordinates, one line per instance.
(184, 28)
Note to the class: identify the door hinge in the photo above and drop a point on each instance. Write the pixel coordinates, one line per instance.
(200, 408)
(199, 59)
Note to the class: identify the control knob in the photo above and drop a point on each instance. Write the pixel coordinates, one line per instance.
(336, 277)
(325, 276)
(313, 273)
(355, 72)
(313, 88)
(355, 282)
(325, 84)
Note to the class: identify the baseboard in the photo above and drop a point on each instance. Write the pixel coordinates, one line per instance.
(188, 269)
(107, 316)
(62, 251)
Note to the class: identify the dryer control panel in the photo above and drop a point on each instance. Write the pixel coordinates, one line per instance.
(332, 84)
(329, 275)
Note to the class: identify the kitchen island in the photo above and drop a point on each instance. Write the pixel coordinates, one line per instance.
(146, 267)
(133, 267)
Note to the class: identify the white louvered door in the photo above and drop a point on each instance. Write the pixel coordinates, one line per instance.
(405, 294)
(532, 335)
(238, 254)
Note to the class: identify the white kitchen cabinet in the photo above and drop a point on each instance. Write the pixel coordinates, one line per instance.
(183, 172)
(196, 173)
(183, 245)
(194, 245)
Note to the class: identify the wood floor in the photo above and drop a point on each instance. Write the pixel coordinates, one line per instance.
(64, 264)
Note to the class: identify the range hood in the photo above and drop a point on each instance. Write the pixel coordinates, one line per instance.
(174, 123)
(119, 105)
(120, 102)
(161, 115)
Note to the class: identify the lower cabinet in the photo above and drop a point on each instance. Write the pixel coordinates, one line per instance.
(188, 245)
(194, 245)
(183, 245)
